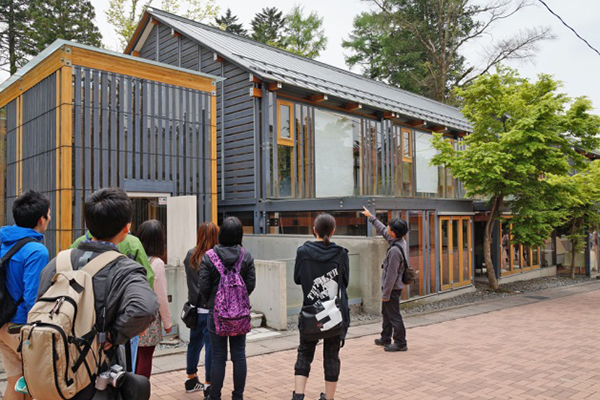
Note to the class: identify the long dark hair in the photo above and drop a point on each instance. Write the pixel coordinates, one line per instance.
(324, 227)
(152, 235)
(207, 238)
(231, 232)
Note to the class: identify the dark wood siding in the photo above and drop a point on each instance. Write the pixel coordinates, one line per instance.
(236, 150)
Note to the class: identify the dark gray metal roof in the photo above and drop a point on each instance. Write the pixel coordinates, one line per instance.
(278, 65)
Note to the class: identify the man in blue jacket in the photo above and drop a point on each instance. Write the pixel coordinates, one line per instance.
(31, 212)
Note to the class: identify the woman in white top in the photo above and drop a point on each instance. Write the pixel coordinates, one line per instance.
(152, 235)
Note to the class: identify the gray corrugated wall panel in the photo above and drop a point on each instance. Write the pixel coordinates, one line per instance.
(141, 147)
(114, 154)
(78, 153)
(129, 128)
(180, 142)
(137, 128)
(105, 145)
(122, 142)
(151, 132)
(87, 137)
(96, 130)
(160, 140)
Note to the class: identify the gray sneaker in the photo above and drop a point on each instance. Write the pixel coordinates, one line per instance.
(395, 347)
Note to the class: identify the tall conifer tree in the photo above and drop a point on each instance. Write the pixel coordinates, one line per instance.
(61, 19)
(12, 42)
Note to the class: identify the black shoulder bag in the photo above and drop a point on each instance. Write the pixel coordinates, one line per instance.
(8, 306)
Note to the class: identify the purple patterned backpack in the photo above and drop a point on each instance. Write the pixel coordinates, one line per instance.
(232, 304)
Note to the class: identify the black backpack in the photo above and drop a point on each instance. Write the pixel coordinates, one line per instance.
(8, 306)
(409, 275)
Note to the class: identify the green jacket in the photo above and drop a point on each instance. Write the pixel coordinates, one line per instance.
(132, 248)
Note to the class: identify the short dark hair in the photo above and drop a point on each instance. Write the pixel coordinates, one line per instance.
(29, 207)
(152, 235)
(399, 227)
(231, 232)
(324, 227)
(107, 211)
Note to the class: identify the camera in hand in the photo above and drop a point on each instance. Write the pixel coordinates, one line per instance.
(115, 377)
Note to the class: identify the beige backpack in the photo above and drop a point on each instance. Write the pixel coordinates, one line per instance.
(59, 345)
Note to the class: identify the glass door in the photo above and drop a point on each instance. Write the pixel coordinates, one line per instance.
(446, 253)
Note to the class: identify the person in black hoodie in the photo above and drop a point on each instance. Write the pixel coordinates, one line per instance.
(229, 251)
(321, 266)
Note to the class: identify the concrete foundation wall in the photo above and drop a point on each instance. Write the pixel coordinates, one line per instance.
(370, 253)
(270, 295)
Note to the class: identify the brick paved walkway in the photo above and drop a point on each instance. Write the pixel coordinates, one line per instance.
(547, 350)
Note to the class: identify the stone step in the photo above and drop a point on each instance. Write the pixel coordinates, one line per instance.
(257, 319)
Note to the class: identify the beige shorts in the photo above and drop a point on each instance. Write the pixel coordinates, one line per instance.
(8, 348)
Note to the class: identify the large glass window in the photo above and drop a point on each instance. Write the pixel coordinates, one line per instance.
(427, 174)
(335, 139)
(516, 257)
(286, 126)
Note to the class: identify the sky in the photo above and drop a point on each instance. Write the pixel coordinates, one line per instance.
(566, 58)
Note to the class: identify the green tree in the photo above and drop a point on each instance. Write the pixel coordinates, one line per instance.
(421, 42)
(580, 203)
(49, 20)
(125, 15)
(229, 23)
(304, 35)
(267, 27)
(13, 14)
(386, 55)
(521, 131)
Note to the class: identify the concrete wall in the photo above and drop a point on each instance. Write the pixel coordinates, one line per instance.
(181, 228)
(370, 253)
(270, 295)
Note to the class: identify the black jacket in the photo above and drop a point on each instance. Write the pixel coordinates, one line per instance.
(209, 277)
(131, 304)
(317, 265)
(192, 277)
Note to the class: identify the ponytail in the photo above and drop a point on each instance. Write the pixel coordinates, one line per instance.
(324, 227)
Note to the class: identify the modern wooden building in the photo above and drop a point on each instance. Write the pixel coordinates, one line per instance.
(79, 118)
(297, 137)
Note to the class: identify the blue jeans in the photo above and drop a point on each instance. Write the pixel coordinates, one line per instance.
(198, 338)
(134, 349)
(238, 357)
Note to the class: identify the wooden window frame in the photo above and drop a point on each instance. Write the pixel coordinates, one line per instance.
(410, 145)
(522, 268)
(462, 280)
(291, 140)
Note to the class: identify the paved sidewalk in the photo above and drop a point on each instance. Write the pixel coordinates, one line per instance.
(534, 346)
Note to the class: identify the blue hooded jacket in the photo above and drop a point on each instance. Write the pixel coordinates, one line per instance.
(25, 267)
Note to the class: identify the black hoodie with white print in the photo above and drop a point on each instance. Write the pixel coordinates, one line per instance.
(318, 269)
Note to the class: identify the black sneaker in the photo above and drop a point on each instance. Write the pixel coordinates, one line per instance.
(323, 397)
(206, 391)
(395, 347)
(381, 342)
(297, 396)
(193, 385)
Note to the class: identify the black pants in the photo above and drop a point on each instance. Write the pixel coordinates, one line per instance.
(237, 349)
(331, 357)
(392, 325)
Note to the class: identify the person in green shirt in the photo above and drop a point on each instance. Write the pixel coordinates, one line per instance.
(132, 248)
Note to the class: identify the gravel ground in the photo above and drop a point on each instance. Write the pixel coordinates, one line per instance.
(482, 293)
(509, 289)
